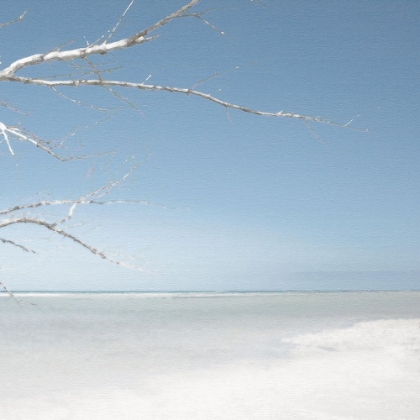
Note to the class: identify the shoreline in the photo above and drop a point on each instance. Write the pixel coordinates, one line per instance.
(199, 294)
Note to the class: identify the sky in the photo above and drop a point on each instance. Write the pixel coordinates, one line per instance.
(235, 201)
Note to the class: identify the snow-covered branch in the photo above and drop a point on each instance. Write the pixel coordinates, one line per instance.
(103, 48)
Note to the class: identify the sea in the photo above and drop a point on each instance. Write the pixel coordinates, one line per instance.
(210, 356)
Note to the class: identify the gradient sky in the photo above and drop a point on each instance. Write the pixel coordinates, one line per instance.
(240, 202)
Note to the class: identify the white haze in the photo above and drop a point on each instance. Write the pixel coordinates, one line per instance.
(303, 356)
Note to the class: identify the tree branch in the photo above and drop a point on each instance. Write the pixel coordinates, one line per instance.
(20, 134)
(8, 241)
(172, 89)
(90, 198)
(86, 199)
(112, 32)
(10, 293)
(68, 55)
(94, 77)
(104, 48)
(20, 18)
(52, 227)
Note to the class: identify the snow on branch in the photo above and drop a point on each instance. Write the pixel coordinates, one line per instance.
(96, 78)
(103, 48)
(9, 133)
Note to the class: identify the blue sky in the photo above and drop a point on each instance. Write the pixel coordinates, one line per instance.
(240, 202)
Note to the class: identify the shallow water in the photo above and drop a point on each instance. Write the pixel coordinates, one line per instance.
(341, 356)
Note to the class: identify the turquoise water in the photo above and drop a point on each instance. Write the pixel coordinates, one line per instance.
(351, 355)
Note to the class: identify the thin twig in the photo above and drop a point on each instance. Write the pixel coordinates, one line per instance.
(80, 103)
(185, 91)
(8, 241)
(9, 292)
(19, 19)
(52, 227)
(112, 32)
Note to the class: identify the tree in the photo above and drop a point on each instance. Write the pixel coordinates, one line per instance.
(85, 71)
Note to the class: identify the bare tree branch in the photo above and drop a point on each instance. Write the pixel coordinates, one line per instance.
(180, 12)
(185, 91)
(85, 72)
(90, 198)
(52, 203)
(12, 108)
(9, 292)
(75, 101)
(20, 18)
(199, 16)
(4, 131)
(20, 134)
(112, 32)
(8, 241)
(9, 74)
(52, 227)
